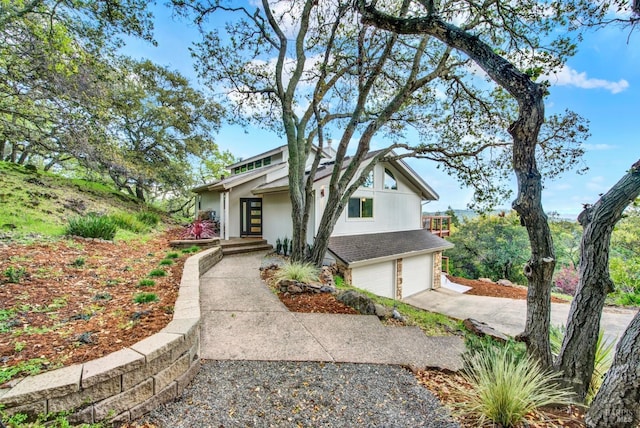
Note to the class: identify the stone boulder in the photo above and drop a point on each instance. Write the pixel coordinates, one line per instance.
(483, 329)
(505, 283)
(357, 301)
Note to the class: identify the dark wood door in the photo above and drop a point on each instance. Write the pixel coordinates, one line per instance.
(250, 217)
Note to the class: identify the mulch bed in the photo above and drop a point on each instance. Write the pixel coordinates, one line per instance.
(74, 302)
(491, 289)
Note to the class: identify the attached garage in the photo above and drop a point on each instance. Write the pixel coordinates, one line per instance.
(379, 278)
(391, 264)
(417, 274)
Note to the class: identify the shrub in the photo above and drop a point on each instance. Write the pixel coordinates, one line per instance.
(146, 283)
(172, 255)
(78, 262)
(285, 246)
(200, 229)
(145, 298)
(92, 226)
(192, 249)
(158, 272)
(166, 262)
(566, 279)
(128, 222)
(301, 272)
(14, 274)
(504, 389)
(148, 218)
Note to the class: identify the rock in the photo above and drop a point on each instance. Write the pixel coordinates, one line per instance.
(483, 329)
(505, 283)
(357, 301)
(294, 288)
(327, 289)
(397, 315)
(485, 280)
(382, 311)
(326, 276)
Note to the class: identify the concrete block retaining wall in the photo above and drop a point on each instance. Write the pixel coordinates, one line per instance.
(128, 383)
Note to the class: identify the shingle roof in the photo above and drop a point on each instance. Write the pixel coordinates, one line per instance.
(358, 248)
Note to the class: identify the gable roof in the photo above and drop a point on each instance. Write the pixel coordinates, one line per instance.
(237, 179)
(364, 249)
(326, 169)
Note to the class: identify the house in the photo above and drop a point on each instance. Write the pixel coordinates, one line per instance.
(378, 243)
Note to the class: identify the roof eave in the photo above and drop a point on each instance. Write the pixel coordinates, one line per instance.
(360, 263)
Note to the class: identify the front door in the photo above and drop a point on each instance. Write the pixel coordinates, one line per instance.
(250, 217)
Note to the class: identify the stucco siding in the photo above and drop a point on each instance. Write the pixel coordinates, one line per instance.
(209, 201)
(416, 274)
(276, 217)
(377, 278)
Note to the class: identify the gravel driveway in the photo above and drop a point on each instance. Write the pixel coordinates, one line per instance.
(285, 394)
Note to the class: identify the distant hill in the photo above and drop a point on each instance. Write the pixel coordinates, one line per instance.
(37, 202)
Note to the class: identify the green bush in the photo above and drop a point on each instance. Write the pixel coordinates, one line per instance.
(158, 272)
(504, 389)
(15, 274)
(146, 283)
(92, 226)
(172, 255)
(301, 272)
(145, 298)
(78, 262)
(166, 262)
(128, 221)
(148, 218)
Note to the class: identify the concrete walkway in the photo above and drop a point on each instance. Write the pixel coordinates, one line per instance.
(243, 320)
(509, 315)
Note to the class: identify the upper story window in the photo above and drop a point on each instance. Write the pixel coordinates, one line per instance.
(252, 165)
(360, 208)
(389, 180)
(368, 182)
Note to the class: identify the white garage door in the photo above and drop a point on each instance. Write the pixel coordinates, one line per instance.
(416, 274)
(378, 278)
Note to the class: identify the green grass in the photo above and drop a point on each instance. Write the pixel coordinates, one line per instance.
(172, 255)
(35, 206)
(30, 367)
(166, 262)
(128, 221)
(78, 262)
(431, 323)
(145, 298)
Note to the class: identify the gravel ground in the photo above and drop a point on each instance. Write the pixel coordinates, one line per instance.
(287, 394)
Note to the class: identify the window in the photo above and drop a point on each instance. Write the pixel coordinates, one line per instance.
(389, 180)
(258, 163)
(266, 161)
(250, 166)
(360, 208)
(368, 182)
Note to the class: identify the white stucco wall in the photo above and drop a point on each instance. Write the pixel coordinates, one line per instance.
(276, 218)
(393, 210)
(209, 201)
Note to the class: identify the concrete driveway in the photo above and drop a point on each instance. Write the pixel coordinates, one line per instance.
(508, 315)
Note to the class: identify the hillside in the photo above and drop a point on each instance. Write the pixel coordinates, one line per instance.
(41, 203)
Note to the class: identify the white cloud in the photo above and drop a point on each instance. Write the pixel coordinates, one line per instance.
(567, 76)
(598, 147)
(597, 184)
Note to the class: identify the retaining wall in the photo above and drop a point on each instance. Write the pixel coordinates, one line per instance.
(128, 383)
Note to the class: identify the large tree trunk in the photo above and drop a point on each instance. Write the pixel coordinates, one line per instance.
(617, 403)
(576, 358)
(525, 131)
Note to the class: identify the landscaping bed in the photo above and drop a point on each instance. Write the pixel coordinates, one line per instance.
(75, 300)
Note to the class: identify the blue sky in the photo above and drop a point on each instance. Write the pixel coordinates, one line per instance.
(601, 83)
